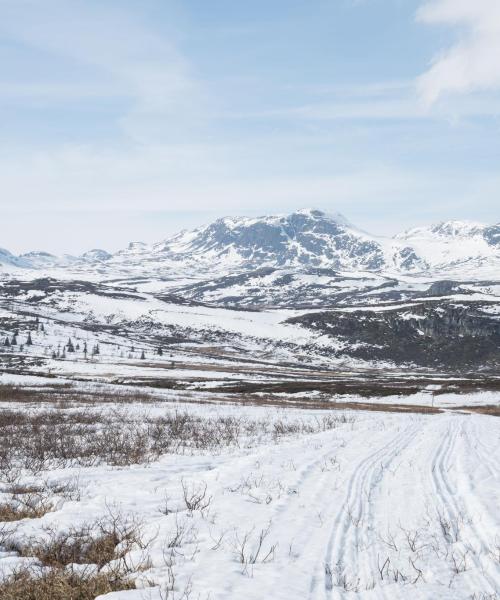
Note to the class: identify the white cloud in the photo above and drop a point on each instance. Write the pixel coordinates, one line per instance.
(473, 63)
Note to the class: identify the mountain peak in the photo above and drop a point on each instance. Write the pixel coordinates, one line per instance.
(96, 254)
(445, 230)
(315, 213)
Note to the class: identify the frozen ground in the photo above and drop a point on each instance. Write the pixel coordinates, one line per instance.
(368, 505)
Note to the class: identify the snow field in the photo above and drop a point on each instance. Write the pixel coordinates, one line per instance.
(382, 506)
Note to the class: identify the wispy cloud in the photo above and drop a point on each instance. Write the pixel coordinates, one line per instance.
(472, 63)
(112, 53)
(374, 102)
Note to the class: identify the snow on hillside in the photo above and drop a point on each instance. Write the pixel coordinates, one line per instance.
(451, 243)
(291, 504)
(305, 238)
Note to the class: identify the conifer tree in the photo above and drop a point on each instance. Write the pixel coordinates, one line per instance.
(143, 356)
(29, 341)
(6, 342)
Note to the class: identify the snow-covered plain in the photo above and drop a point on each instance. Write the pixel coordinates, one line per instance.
(376, 506)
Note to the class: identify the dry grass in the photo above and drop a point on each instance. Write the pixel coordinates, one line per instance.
(104, 541)
(492, 410)
(57, 584)
(28, 506)
(102, 548)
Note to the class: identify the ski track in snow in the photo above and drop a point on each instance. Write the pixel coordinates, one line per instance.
(357, 510)
(333, 494)
(348, 504)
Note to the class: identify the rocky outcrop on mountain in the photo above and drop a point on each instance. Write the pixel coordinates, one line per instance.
(96, 255)
(303, 238)
(8, 259)
(429, 334)
(492, 235)
(311, 238)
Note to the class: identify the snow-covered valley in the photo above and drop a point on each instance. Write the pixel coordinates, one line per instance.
(275, 408)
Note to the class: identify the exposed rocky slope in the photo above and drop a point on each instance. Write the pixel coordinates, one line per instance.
(304, 239)
(430, 334)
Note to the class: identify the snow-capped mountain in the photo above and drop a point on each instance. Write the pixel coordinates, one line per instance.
(311, 238)
(8, 259)
(96, 255)
(303, 239)
(452, 244)
(306, 237)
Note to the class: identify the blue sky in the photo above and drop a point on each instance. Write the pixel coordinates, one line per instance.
(124, 120)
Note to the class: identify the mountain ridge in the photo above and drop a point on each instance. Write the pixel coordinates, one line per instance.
(304, 238)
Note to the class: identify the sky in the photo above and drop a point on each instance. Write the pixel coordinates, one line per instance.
(129, 120)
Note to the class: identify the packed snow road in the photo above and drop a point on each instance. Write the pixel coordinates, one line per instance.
(376, 506)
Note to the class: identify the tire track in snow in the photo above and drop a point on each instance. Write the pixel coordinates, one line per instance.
(348, 518)
(452, 515)
(294, 510)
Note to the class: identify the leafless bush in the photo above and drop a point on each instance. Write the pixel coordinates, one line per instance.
(249, 549)
(412, 537)
(100, 543)
(30, 505)
(182, 533)
(39, 440)
(338, 577)
(389, 540)
(33, 500)
(169, 590)
(195, 497)
(451, 527)
(459, 561)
